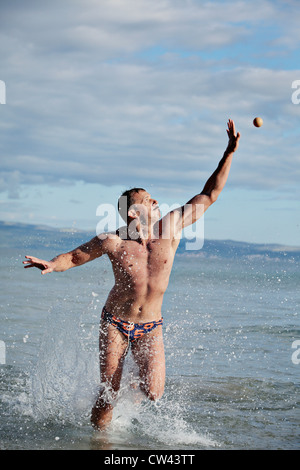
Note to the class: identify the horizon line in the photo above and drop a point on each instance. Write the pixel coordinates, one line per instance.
(78, 230)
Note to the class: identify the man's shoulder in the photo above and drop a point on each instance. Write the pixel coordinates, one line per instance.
(108, 236)
(110, 239)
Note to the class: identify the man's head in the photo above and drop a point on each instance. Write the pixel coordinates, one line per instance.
(137, 203)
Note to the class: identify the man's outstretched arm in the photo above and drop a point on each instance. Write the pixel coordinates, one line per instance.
(216, 182)
(196, 207)
(81, 255)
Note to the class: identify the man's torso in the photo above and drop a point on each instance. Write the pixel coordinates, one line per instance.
(142, 272)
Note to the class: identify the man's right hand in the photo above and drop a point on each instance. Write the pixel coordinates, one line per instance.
(44, 266)
(233, 137)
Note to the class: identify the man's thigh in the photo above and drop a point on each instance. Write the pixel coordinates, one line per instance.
(148, 353)
(113, 348)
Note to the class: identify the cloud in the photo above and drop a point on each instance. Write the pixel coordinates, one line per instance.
(140, 91)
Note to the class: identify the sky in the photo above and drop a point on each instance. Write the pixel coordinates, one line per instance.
(104, 95)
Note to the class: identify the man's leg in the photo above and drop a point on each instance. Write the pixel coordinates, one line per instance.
(113, 348)
(148, 352)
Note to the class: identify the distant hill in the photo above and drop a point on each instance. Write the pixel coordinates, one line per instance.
(16, 235)
(27, 237)
(237, 249)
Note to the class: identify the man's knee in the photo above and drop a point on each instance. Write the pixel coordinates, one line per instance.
(153, 394)
(106, 396)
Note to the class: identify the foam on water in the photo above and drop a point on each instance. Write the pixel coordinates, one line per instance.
(160, 424)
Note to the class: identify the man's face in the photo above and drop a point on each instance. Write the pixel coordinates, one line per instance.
(147, 207)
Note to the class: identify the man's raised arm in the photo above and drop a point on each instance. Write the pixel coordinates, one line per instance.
(81, 255)
(196, 207)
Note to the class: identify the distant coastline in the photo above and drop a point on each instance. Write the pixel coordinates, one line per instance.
(28, 236)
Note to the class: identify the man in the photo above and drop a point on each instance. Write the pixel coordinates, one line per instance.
(142, 255)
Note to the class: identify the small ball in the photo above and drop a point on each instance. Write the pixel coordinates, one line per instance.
(258, 122)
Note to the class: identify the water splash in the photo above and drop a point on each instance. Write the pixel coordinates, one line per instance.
(66, 378)
(161, 424)
(66, 372)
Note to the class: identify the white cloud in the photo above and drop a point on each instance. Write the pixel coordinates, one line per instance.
(85, 101)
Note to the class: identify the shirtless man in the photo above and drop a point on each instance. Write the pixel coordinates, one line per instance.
(142, 254)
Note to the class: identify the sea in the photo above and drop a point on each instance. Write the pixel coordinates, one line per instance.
(232, 344)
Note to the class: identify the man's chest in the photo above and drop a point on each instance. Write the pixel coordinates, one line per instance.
(155, 255)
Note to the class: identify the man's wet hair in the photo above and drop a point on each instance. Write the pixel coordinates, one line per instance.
(126, 200)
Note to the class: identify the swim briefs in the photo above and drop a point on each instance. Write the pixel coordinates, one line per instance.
(131, 330)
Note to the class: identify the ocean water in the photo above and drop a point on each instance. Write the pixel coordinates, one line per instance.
(231, 331)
